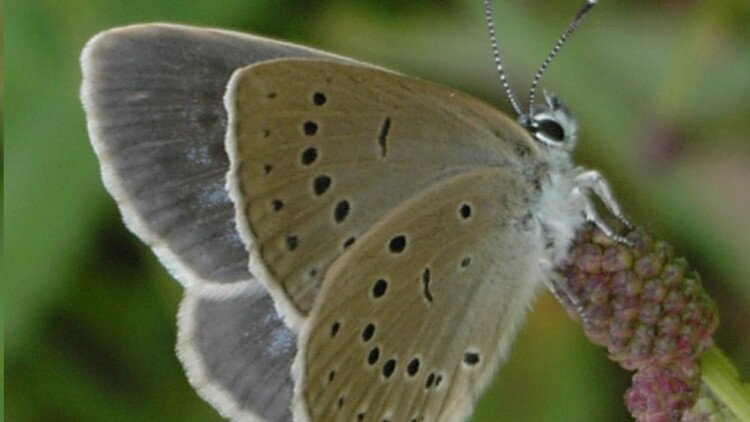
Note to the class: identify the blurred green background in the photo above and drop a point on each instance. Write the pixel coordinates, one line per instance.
(661, 90)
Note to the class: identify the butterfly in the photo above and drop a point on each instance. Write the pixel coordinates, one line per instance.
(354, 244)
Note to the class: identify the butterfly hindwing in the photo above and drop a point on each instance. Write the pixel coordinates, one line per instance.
(153, 96)
(321, 151)
(237, 351)
(412, 321)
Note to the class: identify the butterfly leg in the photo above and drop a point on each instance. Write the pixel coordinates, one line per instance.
(558, 286)
(592, 180)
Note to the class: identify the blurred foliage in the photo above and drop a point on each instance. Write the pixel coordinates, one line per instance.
(660, 88)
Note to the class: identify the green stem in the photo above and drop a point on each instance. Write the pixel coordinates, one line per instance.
(723, 379)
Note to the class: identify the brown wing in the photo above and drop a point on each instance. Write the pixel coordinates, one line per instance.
(412, 322)
(321, 151)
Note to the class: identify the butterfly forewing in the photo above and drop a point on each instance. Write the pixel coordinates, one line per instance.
(411, 322)
(321, 151)
(153, 100)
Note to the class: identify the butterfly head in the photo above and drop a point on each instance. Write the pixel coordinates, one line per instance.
(552, 124)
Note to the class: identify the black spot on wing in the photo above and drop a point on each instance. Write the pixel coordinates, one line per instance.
(383, 136)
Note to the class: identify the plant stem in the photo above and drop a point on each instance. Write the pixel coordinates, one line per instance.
(723, 379)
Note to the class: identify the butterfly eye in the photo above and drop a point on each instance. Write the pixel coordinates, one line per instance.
(551, 130)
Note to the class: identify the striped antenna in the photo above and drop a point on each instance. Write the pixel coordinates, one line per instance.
(496, 53)
(543, 68)
(564, 37)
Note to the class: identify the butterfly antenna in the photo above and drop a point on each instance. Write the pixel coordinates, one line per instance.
(496, 53)
(564, 37)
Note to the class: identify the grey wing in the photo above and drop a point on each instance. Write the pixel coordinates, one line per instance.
(236, 351)
(153, 100)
